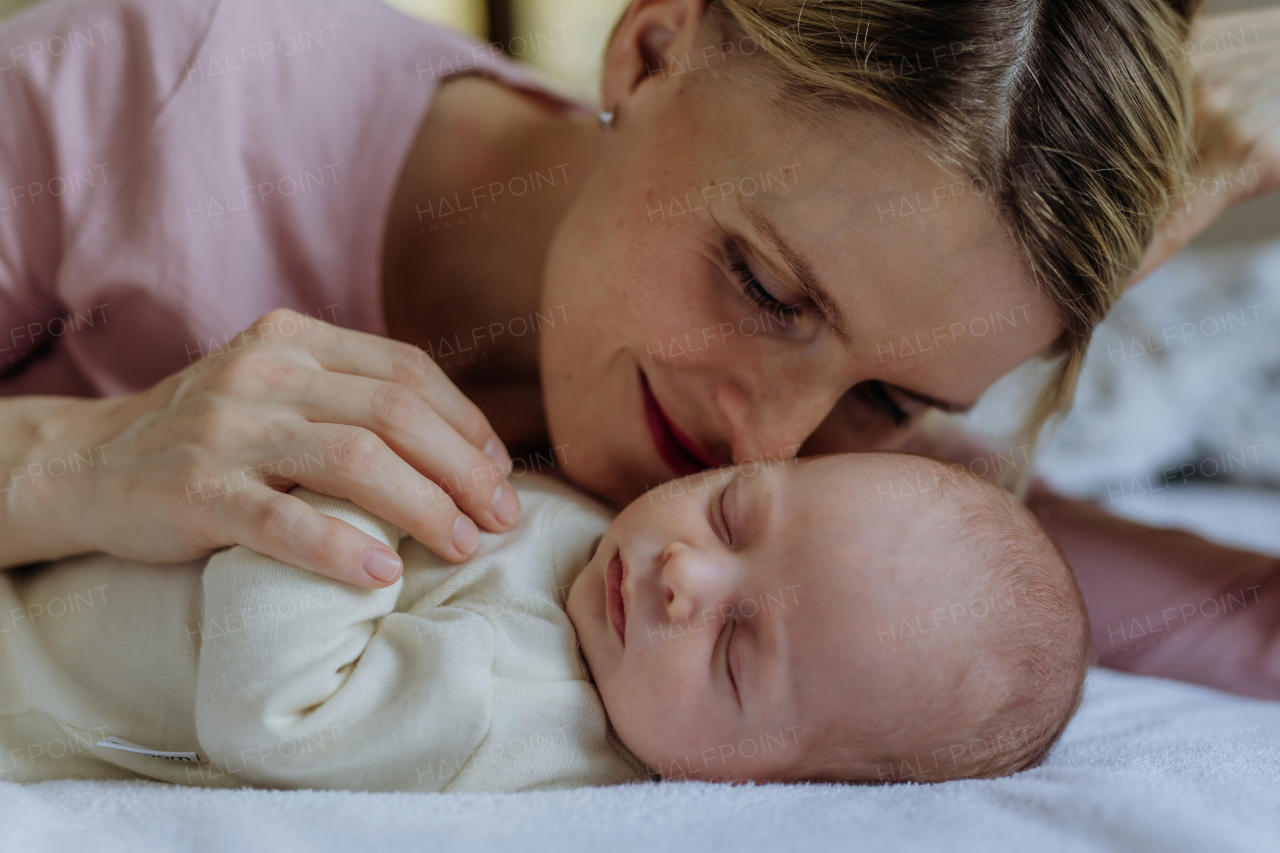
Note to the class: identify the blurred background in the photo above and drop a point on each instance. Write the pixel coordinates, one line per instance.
(1180, 395)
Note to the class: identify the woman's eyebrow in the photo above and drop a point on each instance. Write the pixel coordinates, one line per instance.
(813, 286)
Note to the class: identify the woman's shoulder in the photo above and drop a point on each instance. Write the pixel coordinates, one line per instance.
(84, 75)
(82, 31)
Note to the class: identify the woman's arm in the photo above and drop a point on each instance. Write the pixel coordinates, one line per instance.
(1169, 603)
(50, 448)
(203, 459)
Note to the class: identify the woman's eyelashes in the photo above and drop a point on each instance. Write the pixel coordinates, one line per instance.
(781, 309)
(765, 300)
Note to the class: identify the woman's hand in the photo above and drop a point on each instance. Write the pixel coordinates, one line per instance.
(1236, 60)
(203, 459)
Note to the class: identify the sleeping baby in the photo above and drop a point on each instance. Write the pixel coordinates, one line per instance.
(811, 620)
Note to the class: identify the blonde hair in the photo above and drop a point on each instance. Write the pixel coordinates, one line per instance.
(1075, 114)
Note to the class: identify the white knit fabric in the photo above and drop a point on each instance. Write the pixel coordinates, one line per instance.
(455, 678)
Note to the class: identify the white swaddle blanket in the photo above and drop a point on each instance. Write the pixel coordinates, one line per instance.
(248, 671)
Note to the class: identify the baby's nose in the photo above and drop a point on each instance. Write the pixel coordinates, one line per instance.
(686, 579)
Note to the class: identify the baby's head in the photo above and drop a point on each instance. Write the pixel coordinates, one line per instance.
(860, 617)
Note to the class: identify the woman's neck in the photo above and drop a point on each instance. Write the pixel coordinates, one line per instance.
(485, 184)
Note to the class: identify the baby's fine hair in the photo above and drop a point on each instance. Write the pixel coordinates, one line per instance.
(1022, 677)
(1043, 654)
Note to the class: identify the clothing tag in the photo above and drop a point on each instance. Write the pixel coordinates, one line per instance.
(120, 743)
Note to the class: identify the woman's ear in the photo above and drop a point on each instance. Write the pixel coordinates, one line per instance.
(649, 35)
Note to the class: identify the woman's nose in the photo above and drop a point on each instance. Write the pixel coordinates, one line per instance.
(689, 580)
(767, 428)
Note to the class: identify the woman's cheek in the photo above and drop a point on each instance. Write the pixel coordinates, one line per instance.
(683, 310)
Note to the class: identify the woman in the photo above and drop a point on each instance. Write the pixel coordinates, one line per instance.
(781, 209)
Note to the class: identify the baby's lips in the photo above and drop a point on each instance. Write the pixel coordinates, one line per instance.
(615, 600)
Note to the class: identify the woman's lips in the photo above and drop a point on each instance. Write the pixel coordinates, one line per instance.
(615, 604)
(675, 448)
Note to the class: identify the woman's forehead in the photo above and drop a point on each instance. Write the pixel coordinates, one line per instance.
(862, 197)
(915, 263)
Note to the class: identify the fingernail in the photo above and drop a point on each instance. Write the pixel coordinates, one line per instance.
(465, 535)
(495, 451)
(506, 506)
(382, 564)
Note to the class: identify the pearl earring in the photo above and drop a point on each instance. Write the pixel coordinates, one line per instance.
(605, 118)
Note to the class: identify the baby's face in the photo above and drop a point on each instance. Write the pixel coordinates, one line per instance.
(728, 617)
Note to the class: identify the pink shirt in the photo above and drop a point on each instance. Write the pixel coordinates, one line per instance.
(170, 170)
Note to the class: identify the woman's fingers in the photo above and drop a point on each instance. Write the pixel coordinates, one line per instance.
(419, 435)
(358, 466)
(284, 527)
(361, 354)
(293, 400)
(354, 416)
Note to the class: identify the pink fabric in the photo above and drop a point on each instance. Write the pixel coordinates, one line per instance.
(170, 170)
(1183, 608)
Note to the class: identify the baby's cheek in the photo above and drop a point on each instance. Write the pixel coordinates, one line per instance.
(677, 715)
(639, 710)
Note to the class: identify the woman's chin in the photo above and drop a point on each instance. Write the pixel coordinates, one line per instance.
(617, 482)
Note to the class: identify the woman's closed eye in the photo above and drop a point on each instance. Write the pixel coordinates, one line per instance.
(783, 309)
(877, 395)
(757, 293)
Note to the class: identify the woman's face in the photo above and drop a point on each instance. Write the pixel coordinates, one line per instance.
(730, 272)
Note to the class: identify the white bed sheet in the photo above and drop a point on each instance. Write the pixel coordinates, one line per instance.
(1147, 764)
